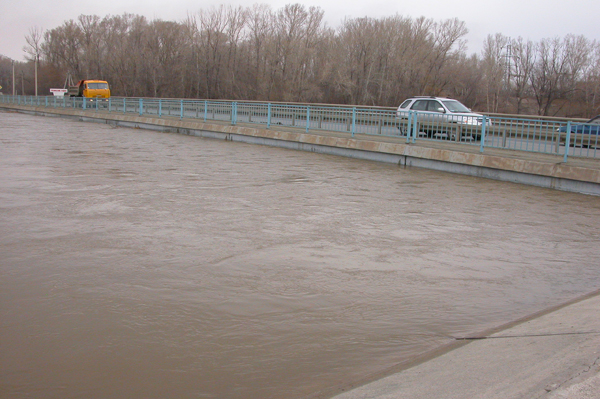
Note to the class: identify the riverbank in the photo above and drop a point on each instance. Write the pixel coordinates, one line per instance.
(553, 355)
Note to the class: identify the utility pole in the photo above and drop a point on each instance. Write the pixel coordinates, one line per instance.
(37, 59)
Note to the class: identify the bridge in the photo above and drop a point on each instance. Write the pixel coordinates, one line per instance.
(535, 151)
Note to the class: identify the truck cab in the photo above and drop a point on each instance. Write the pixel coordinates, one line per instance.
(93, 89)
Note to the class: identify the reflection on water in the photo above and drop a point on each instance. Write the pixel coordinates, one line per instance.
(143, 264)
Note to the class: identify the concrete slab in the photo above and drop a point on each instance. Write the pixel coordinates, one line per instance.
(556, 355)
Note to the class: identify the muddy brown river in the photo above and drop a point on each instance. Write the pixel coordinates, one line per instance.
(139, 264)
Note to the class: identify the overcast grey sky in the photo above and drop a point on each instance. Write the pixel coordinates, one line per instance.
(530, 19)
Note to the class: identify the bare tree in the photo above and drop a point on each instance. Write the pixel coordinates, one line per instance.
(33, 49)
(121, 62)
(559, 65)
(447, 47)
(524, 60)
(290, 54)
(495, 69)
(93, 45)
(192, 63)
(62, 48)
(260, 28)
(212, 25)
(162, 56)
(590, 84)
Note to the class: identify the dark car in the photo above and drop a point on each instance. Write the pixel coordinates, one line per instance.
(586, 134)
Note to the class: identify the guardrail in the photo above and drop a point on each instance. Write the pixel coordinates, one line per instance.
(523, 134)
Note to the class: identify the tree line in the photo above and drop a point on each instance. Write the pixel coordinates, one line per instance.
(291, 55)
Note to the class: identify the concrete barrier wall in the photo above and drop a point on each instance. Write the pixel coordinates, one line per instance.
(528, 168)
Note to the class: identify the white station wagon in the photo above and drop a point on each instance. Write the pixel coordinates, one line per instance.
(439, 111)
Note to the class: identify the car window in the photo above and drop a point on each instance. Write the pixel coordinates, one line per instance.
(97, 86)
(435, 106)
(595, 121)
(420, 105)
(455, 106)
(405, 104)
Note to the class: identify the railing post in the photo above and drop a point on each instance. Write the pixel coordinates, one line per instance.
(415, 126)
(268, 115)
(567, 141)
(141, 109)
(205, 109)
(353, 120)
(408, 126)
(483, 123)
(84, 103)
(233, 113)
(307, 118)
(160, 107)
(124, 105)
(109, 104)
(181, 108)
(459, 131)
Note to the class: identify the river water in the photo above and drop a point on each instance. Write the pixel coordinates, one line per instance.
(143, 264)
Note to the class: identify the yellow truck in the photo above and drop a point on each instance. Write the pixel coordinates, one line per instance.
(92, 89)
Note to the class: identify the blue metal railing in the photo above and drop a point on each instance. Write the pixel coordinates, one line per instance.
(520, 134)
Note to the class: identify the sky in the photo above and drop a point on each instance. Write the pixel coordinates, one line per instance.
(530, 19)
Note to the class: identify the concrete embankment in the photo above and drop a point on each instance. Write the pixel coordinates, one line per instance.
(555, 355)
(544, 170)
